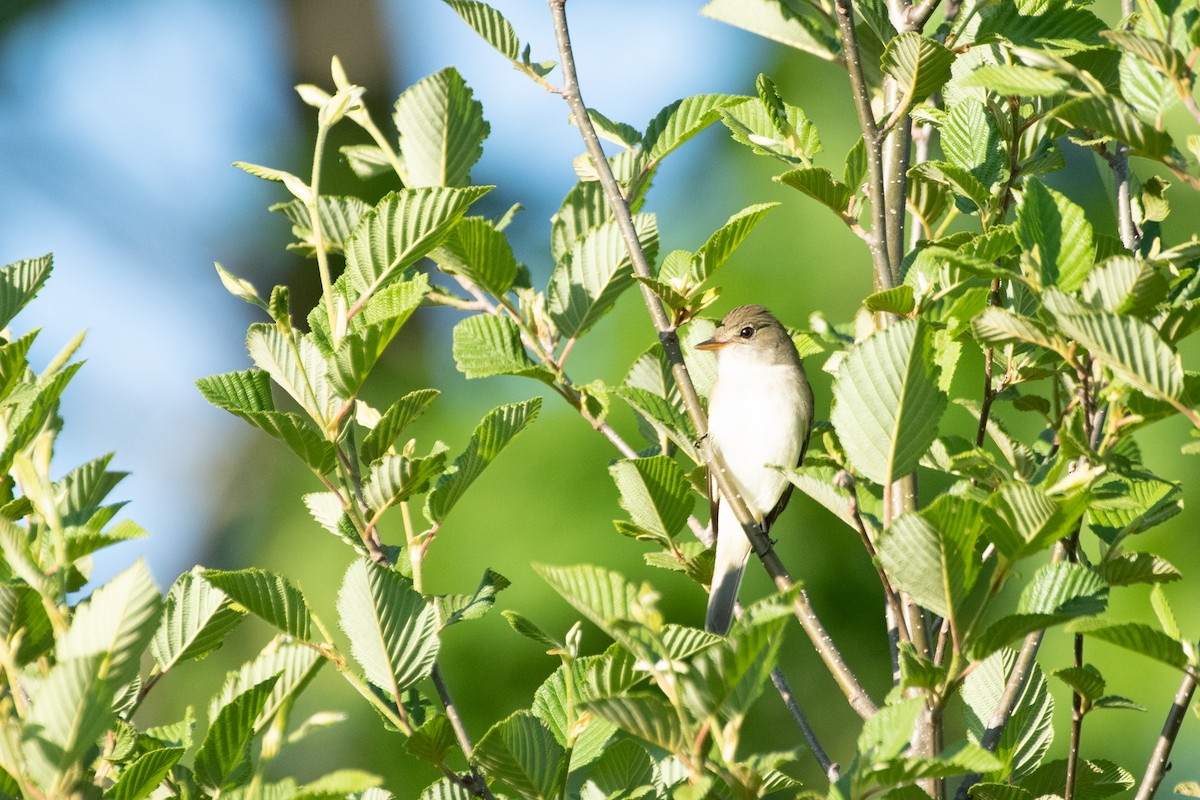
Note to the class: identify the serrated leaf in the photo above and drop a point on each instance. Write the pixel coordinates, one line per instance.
(402, 228)
(293, 665)
(1085, 681)
(530, 630)
(1129, 347)
(433, 741)
(971, 141)
(663, 416)
(959, 179)
(195, 619)
(1016, 79)
(717, 249)
(585, 285)
(996, 325)
(369, 332)
(654, 492)
(485, 345)
(898, 300)
(70, 709)
(367, 161)
(1107, 116)
(819, 184)
(1162, 610)
(890, 730)
(339, 784)
(31, 412)
(1137, 637)
(452, 608)
(754, 125)
(144, 775)
(556, 704)
(479, 252)
(1132, 568)
(393, 422)
(441, 130)
(927, 563)
(682, 120)
(268, 596)
(490, 24)
(396, 478)
(296, 364)
(497, 428)
(729, 675)
(887, 404)
(919, 65)
(392, 630)
(1094, 779)
(624, 768)
(778, 22)
(115, 624)
(600, 595)
(522, 753)
(1028, 731)
(226, 745)
(1061, 234)
(644, 715)
(339, 216)
(1026, 520)
(20, 282)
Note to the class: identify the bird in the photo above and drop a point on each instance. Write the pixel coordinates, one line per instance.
(760, 414)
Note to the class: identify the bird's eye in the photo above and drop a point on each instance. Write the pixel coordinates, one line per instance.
(747, 332)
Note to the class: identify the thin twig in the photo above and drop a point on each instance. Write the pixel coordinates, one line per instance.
(669, 339)
(831, 769)
(1157, 767)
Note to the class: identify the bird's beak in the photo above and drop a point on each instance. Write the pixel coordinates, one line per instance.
(711, 344)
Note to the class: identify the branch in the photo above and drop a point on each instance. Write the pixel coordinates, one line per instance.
(669, 339)
(1157, 767)
(831, 769)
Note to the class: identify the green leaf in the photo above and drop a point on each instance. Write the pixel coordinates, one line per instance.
(919, 65)
(367, 161)
(647, 716)
(819, 184)
(1016, 79)
(292, 663)
(195, 619)
(1085, 681)
(1129, 347)
(498, 427)
(339, 784)
(602, 596)
(69, 711)
(402, 228)
(927, 563)
(370, 332)
(115, 624)
(1061, 234)
(729, 675)
(897, 301)
(268, 596)
(144, 775)
(441, 129)
(452, 608)
(339, 216)
(721, 244)
(20, 282)
(654, 492)
(393, 422)
(530, 630)
(1125, 285)
(757, 126)
(485, 345)
(664, 417)
(1025, 520)
(682, 120)
(481, 254)
(433, 741)
(585, 285)
(960, 180)
(618, 133)
(36, 405)
(227, 743)
(971, 142)
(490, 24)
(445, 789)
(887, 404)
(890, 730)
(296, 364)
(1028, 731)
(1137, 637)
(996, 325)
(395, 478)
(776, 21)
(624, 768)
(1128, 569)
(392, 630)
(555, 704)
(522, 753)
(1106, 116)
(1094, 779)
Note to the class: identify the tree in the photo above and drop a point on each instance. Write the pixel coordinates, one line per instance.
(974, 260)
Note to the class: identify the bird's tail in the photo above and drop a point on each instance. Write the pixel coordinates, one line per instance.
(733, 548)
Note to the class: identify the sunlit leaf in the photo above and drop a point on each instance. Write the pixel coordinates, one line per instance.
(522, 753)
(441, 129)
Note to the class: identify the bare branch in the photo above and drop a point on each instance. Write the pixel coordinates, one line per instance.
(1157, 767)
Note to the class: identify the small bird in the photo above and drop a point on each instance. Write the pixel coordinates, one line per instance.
(760, 414)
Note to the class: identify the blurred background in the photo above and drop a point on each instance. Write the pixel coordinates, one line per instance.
(119, 122)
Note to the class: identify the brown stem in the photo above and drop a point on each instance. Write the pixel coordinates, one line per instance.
(669, 340)
(1157, 766)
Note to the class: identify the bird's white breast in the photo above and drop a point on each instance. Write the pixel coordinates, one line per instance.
(758, 416)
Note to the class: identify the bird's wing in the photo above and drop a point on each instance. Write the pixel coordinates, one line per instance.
(769, 519)
(714, 501)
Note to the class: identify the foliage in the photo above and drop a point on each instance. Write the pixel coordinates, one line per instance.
(1078, 334)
